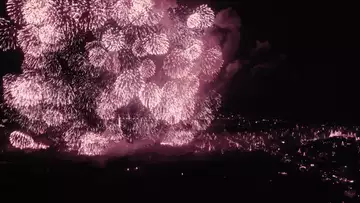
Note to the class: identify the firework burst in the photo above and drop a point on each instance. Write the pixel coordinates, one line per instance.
(150, 95)
(147, 68)
(14, 11)
(7, 35)
(36, 12)
(23, 141)
(202, 18)
(99, 72)
(176, 65)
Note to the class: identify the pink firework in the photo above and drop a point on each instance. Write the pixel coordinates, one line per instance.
(36, 12)
(107, 104)
(202, 18)
(150, 95)
(31, 90)
(72, 135)
(193, 49)
(154, 17)
(178, 33)
(7, 35)
(112, 64)
(147, 68)
(178, 138)
(53, 117)
(119, 12)
(29, 41)
(98, 56)
(157, 44)
(23, 141)
(176, 65)
(24, 91)
(128, 60)
(13, 9)
(57, 93)
(205, 112)
(113, 40)
(97, 13)
(138, 48)
(142, 4)
(173, 108)
(32, 63)
(211, 61)
(113, 129)
(138, 16)
(128, 85)
(92, 144)
(50, 34)
(188, 86)
(32, 113)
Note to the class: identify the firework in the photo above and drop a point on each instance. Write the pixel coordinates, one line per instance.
(29, 41)
(211, 61)
(36, 12)
(138, 48)
(25, 91)
(128, 60)
(97, 10)
(97, 56)
(128, 85)
(119, 12)
(53, 117)
(173, 108)
(178, 138)
(113, 40)
(202, 18)
(150, 95)
(154, 17)
(107, 104)
(7, 35)
(147, 68)
(176, 65)
(13, 9)
(92, 144)
(49, 34)
(23, 141)
(157, 44)
(194, 49)
(89, 70)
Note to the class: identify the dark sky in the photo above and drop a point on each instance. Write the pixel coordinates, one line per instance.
(304, 84)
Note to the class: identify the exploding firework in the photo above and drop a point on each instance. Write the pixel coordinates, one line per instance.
(92, 144)
(36, 12)
(113, 40)
(150, 95)
(203, 17)
(98, 56)
(128, 85)
(7, 35)
(13, 8)
(97, 72)
(147, 68)
(23, 141)
(157, 44)
(176, 65)
(178, 138)
(211, 61)
(49, 34)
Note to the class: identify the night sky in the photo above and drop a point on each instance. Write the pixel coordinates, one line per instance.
(304, 78)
